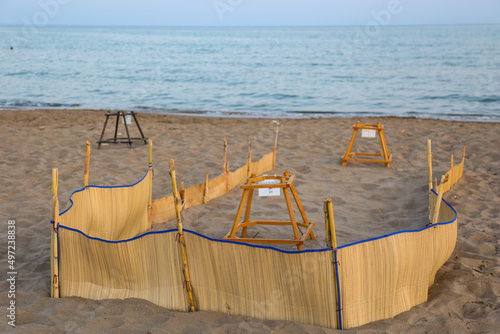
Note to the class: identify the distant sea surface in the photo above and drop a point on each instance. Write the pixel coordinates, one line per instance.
(448, 72)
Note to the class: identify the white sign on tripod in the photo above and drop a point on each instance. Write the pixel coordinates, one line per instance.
(263, 192)
(367, 133)
(127, 119)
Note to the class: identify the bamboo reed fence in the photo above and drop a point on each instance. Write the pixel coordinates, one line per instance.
(337, 287)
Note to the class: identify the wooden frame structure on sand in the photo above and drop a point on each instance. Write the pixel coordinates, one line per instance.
(386, 157)
(121, 140)
(283, 182)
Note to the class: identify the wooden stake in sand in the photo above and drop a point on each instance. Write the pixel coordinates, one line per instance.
(225, 168)
(54, 263)
(181, 193)
(437, 207)
(205, 190)
(150, 202)
(182, 242)
(452, 174)
(331, 239)
(429, 164)
(275, 147)
(150, 152)
(331, 242)
(249, 158)
(87, 164)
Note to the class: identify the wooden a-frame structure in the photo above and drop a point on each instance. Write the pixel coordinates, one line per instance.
(386, 157)
(285, 183)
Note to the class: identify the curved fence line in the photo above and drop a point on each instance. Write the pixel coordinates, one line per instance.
(104, 187)
(364, 281)
(113, 213)
(163, 208)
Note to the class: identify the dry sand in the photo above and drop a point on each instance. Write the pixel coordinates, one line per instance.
(369, 200)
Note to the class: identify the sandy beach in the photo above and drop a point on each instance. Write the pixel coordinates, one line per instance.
(369, 200)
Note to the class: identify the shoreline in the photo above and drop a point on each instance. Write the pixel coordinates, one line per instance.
(475, 118)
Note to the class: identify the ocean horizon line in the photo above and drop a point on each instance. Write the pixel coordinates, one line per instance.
(49, 25)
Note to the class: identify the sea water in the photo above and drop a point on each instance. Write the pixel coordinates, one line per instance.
(423, 71)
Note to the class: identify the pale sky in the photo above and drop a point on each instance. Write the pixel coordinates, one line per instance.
(248, 12)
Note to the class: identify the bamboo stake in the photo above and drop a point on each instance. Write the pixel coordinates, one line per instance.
(54, 261)
(462, 164)
(452, 175)
(438, 201)
(182, 192)
(150, 202)
(331, 241)
(150, 152)
(327, 224)
(330, 225)
(181, 236)
(249, 158)
(87, 164)
(429, 172)
(429, 164)
(275, 147)
(225, 168)
(205, 192)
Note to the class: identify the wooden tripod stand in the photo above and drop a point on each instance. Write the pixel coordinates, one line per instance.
(283, 182)
(386, 157)
(115, 140)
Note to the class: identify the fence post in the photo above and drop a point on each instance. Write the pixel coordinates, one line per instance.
(249, 172)
(462, 164)
(189, 288)
(275, 147)
(182, 194)
(331, 241)
(331, 238)
(150, 172)
(429, 164)
(54, 256)
(438, 201)
(87, 164)
(205, 191)
(225, 168)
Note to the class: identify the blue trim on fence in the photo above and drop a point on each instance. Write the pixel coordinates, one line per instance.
(117, 241)
(259, 246)
(105, 187)
(195, 233)
(405, 231)
(242, 243)
(339, 299)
